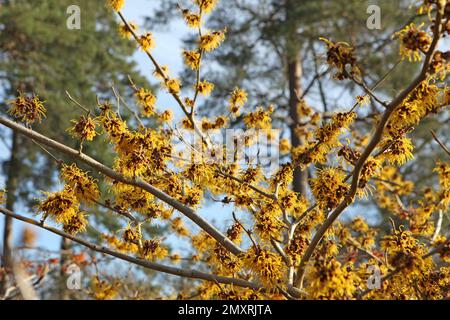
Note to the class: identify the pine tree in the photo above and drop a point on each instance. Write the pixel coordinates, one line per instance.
(40, 54)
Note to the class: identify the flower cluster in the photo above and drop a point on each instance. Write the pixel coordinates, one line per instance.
(212, 40)
(27, 109)
(413, 42)
(146, 100)
(267, 266)
(325, 139)
(63, 207)
(260, 119)
(332, 280)
(84, 128)
(84, 186)
(341, 56)
(237, 100)
(329, 187)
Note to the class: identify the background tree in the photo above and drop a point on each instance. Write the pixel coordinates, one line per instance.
(39, 54)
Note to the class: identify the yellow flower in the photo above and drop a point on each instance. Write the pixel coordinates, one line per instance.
(125, 32)
(444, 253)
(405, 252)
(2, 196)
(325, 139)
(294, 203)
(133, 164)
(341, 56)
(192, 19)
(331, 280)
(164, 70)
(27, 109)
(283, 176)
(443, 170)
(205, 88)
(200, 174)
(212, 40)
(75, 224)
(413, 40)
(235, 232)
(296, 248)
(113, 125)
(192, 197)
(285, 146)
(129, 197)
(166, 115)
(131, 235)
(61, 206)
(369, 170)
(206, 5)
(419, 103)
(237, 100)
(398, 151)
(179, 228)
(102, 290)
(121, 246)
(268, 223)
(267, 266)
(224, 260)
(192, 59)
(260, 119)
(84, 186)
(147, 101)
(329, 187)
(202, 242)
(363, 100)
(146, 41)
(116, 4)
(83, 128)
(220, 122)
(173, 86)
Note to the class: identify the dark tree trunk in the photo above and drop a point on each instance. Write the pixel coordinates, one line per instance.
(300, 183)
(13, 167)
(63, 290)
(294, 73)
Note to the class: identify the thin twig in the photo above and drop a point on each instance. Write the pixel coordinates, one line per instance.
(440, 143)
(77, 103)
